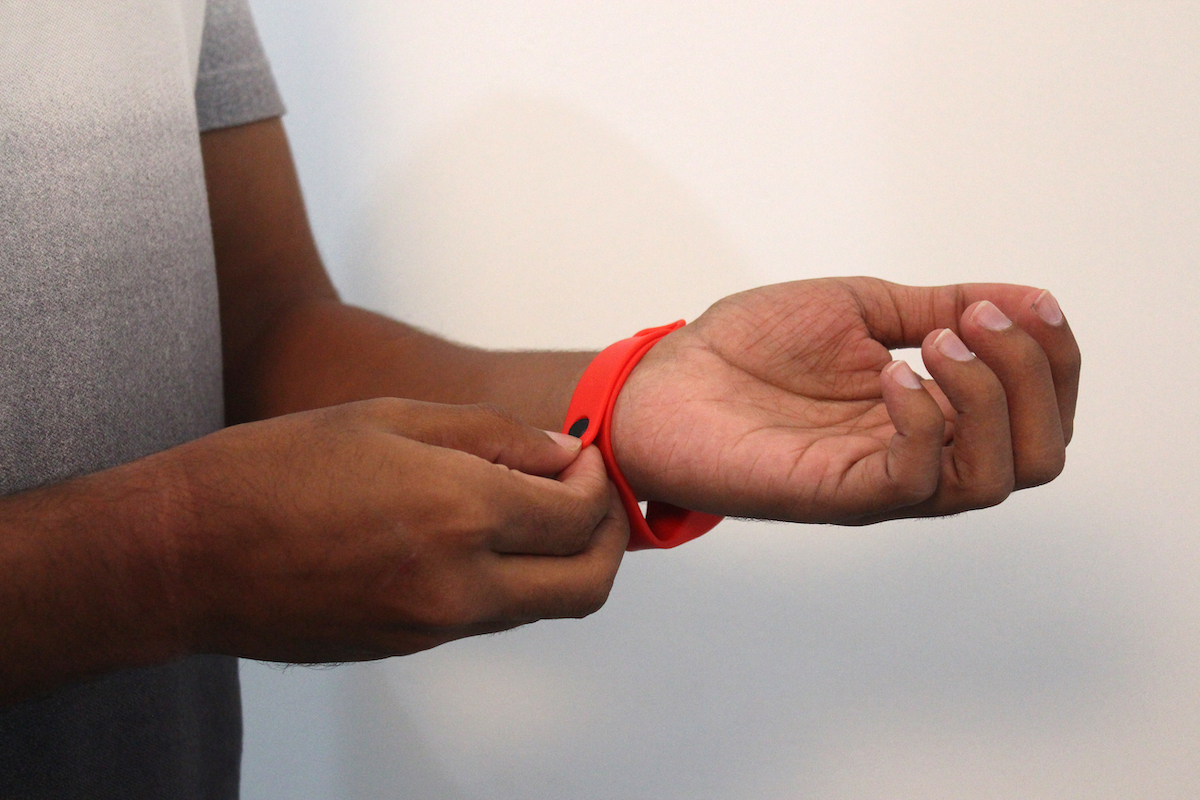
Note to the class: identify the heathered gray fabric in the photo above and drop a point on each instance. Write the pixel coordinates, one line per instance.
(109, 337)
(234, 85)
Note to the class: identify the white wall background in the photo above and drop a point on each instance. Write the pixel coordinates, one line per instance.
(562, 173)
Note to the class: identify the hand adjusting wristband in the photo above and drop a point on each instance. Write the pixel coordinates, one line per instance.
(590, 418)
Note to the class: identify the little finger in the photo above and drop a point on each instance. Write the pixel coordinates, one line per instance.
(1041, 317)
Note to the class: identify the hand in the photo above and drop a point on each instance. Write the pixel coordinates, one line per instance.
(386, 527)
(784, 402)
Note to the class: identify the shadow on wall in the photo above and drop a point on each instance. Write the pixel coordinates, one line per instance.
(784, 661)
(529, 224)
(763, 660)
(385, 752)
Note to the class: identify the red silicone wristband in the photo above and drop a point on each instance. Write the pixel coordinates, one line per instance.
(590, 418)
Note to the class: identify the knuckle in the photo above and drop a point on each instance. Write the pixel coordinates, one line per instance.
(913, 487)
(478, 517)
(1030, 358)
(497, 430)
(597, 497)
(593, 599)
(567, 538)
(918, 489)
(330, 417)
(445, 609)
(454, 521)
(1072, 356)
(489, 410)
(576, 539)
(377, 413)
(380, 408)
(490, 418)
(571, 522)
(929, 427)
(994, 493)
(380, 404)
(1045, 470)
(916, 477)
(983, 485)
(995, 397)
(594, 505)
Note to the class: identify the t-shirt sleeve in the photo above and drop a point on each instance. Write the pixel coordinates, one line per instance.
(234, 84)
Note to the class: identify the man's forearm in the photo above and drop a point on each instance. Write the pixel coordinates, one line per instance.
(85, 579)
(320, 352)
(290, 345)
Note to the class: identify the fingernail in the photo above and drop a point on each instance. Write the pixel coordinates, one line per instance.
(1047, 308)
(949, 345)
(566, 442)
(990, 317)
(902, 374)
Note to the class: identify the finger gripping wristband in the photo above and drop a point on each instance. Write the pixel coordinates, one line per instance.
(589, 417)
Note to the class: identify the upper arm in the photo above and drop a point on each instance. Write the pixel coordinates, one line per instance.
(265, 254)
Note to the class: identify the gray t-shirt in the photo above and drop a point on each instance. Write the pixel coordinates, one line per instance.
(109, 336)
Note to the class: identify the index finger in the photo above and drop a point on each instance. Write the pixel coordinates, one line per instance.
(549, 517)
(545, 587)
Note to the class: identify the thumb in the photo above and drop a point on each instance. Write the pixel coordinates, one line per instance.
(902, 316)
(483, 431)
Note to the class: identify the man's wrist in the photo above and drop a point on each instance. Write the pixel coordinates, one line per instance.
(590, 417)
(93, 585)
(170, 526)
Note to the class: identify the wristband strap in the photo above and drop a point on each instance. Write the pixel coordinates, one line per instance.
(589, 417)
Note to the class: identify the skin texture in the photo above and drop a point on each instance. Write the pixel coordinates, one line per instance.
(327, 525)
(776, 403)
(441, 522)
